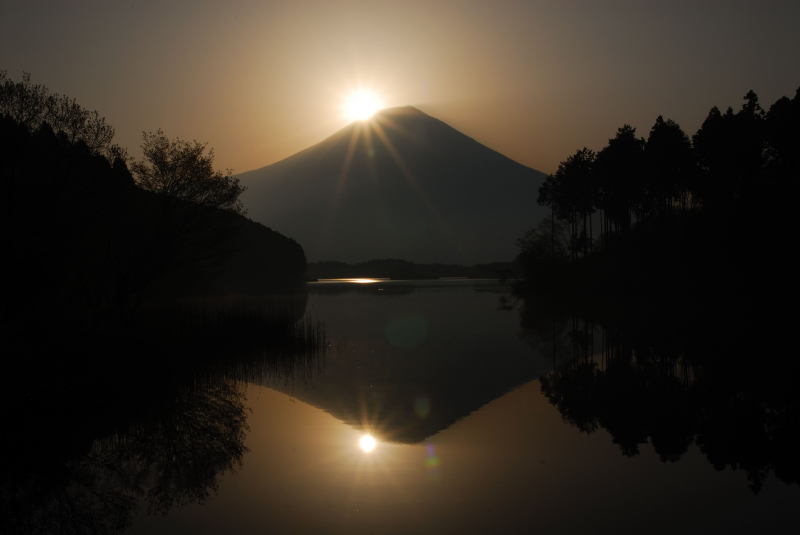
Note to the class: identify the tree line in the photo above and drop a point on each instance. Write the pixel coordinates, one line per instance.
(173, 167)
(734, 158)
(93, 239)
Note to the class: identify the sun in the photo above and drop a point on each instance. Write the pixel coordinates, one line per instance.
(367, 443)
(361, 105)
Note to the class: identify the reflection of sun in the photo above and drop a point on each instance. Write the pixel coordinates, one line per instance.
(367, 443)
(361, 105)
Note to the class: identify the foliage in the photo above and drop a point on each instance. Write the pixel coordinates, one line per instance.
(30, 105)
(618, 171)
(545, 243)
(732, 160)
(183, 169)
(669, 168)
(570, 195)
(96, 249)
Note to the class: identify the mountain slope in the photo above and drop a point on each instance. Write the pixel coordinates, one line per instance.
(401, 185)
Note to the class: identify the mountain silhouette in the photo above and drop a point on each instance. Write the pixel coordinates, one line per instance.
(400, 185)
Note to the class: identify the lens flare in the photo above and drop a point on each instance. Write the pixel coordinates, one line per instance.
(431, 459)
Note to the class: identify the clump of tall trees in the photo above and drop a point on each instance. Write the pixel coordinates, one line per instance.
(734, 173)
(659, 277)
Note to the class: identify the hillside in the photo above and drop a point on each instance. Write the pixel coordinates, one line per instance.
(84, 246)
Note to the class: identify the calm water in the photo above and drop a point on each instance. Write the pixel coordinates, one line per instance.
(451, 387)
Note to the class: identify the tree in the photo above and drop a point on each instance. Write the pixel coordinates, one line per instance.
(782, 133)
(670, 164)
(547, 241)
(731, 150)
(184, 169)
(619, 168)
(543, 250)
(570, 193)
(31, 104)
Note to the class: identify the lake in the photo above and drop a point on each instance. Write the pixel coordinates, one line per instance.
(481, 424)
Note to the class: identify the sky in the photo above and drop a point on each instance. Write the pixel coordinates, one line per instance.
(535, 80)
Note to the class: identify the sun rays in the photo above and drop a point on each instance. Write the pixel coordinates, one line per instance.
(370, 150)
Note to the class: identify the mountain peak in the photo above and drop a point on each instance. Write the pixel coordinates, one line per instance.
(393, 114)
(409, 111)
(402, 184)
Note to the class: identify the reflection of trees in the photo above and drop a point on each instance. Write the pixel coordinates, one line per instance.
(112, 426)
(180, 453)
(635, 401)
(173, 458)
(740, 408)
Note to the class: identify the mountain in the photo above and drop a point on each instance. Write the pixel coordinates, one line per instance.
(400, 185)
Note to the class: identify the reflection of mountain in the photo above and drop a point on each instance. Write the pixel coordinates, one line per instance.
(411, 364)
(402, 185)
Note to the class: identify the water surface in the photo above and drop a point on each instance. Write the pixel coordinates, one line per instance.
(447, 381)
(483, 424)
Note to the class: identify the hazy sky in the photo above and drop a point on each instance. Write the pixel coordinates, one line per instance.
(535, 80)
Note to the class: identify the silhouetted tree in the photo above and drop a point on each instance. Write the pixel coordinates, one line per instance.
(543, 248)
(97, 250)
(571, 193)
(31, 104)
(733, 184)
(620, 173)
(782, 133)
(730, 149)
(184, 170)
(669, 166)
(688, 295)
